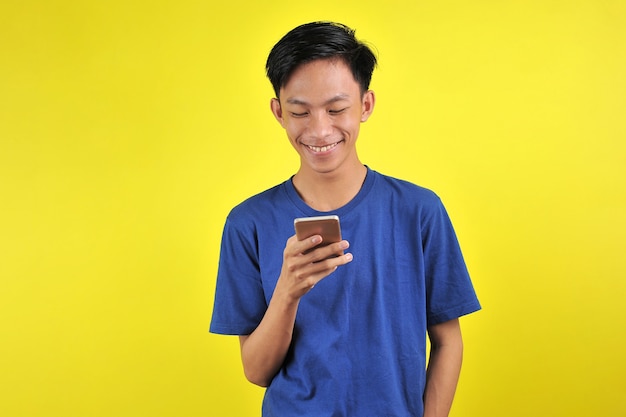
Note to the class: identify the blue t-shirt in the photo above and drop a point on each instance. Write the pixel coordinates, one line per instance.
(359, 341)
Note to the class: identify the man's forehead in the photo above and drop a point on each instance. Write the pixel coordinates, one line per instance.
(303, 101)
(325, 70)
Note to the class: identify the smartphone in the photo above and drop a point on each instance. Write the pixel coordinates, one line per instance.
(325, 226)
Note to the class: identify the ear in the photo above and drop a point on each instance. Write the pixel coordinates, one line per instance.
(367, 106)
(277, 111)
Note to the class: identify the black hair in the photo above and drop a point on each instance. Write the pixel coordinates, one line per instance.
(319, 40)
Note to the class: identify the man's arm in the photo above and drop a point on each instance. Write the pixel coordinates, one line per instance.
(263, 351)
(444, 367)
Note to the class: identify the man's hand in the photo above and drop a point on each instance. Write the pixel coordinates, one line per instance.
(300, 272)
(263, 351)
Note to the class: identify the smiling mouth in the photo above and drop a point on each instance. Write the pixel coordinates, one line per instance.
(323, 148)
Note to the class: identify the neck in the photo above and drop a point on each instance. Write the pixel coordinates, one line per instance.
(329, 191)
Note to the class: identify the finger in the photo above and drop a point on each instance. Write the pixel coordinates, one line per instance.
(297, 247)
(309, 275)
(316, 271)
(332, 250)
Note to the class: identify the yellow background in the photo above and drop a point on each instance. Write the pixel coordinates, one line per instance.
(129, 129)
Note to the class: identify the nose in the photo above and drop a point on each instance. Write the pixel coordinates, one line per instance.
(320, 125)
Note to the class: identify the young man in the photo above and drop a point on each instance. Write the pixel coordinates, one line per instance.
(344, 335)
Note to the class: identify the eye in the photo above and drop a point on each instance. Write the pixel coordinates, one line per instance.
(299, 114)
(337, 111)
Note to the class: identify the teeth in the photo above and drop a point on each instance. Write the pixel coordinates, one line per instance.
(321, 148)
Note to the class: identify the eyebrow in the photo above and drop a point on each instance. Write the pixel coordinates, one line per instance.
(338, 97)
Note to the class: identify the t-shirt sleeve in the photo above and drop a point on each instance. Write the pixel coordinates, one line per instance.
(449, 290)
(239, 299)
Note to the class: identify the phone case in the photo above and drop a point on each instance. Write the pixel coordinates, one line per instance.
(326, 226)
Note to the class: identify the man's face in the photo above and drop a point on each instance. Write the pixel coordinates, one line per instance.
(321, 108)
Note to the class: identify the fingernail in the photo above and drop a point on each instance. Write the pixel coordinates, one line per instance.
(316, 239)
(348, 256)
